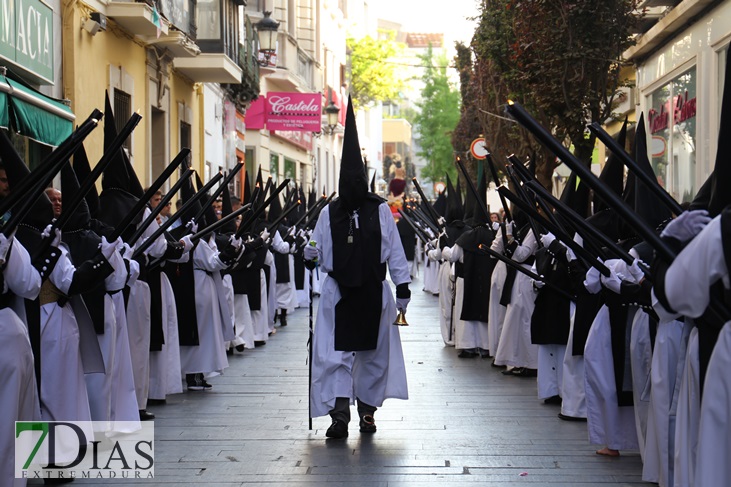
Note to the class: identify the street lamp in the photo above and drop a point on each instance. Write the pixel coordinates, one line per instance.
(267, 28)
(331, 111)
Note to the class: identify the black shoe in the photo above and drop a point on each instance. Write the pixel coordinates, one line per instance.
(206, 385)
(240, 348)
(526, 372)
(146, 415)
(338, 429)
(283, 320)
(229, 351)
(570, 418)
(467, 354)
(496, 365)
(367, 424)
(156, 402)
(553, 400)
(513, 371)
(260, 343)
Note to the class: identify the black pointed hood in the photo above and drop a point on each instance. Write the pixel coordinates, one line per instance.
(353, 181)
(275, 210)
(575, 195)
(209, 215)
(312, 199)
(440, 205)
(652, 210)
(720, 194)
(135, 188)
(612, 174)
(69, 189)
(186, 194)
(454, 210)
(82, 170)
(246, 199)
(703, 197)
(16, 170)
(227, 209)
(82, 242)
(115, 201)
(115, 174)
(373, 183)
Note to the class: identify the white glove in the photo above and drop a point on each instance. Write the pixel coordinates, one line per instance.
(56, 237)
(187, 244)
(547, 239)
(108, 249)
(447, 253)
(402, 303)
(265, 235)
(432, 244)
(127, 252)
(435, 254)
(134, 272)
(687, 225)
(236, 242)
(495, 226)
(592, 282)
(509, 228)
(538, 284)
(192, 226)
(310, 251)
(570, 255)
(5, 244)
(635, 271)
(613, 282)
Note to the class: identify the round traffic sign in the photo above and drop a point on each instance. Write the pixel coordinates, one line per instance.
(478, 148)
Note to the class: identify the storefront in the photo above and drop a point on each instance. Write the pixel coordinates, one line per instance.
(29, 79)
(680, 86)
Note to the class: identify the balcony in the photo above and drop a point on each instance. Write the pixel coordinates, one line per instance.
(137, 18)
(217, 37)
(177, 42)
(209, 68)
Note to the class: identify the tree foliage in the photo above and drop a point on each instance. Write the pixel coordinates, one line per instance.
(372, 77)
(439, 112)
(560, 59)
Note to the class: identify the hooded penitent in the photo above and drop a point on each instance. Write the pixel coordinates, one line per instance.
(477, 266)
(720, 194)
(652, 210)
(116, 200)
(356, 239)
(612, 174)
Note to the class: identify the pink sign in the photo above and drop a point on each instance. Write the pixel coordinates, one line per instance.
(294, 111)
(299, 138)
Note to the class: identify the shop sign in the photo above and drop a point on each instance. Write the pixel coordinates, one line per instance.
(26, 36)
(296, 137)
(683, 109)
(294, 111)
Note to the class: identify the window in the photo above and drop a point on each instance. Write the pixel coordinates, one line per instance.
(290, 169)
(671, 127)
(184, 135)
(274, 166)
(209, 19)
(122, 113)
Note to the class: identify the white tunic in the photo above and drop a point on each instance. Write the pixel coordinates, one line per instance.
(515, 347)
(446, 302)
(431, 276)
(572, 379)
(18, 389)
(286, 291)
(209, 356)
(496, 311)
(608, 423)
(374, 375)
(165, 364)
(468, 335)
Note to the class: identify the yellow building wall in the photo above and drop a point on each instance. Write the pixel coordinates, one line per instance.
(396, 130)
(87, 62)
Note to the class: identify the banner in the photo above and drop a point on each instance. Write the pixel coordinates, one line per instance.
(294, 111)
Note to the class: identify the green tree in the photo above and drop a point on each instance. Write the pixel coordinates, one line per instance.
(561, 59)
(372, 77)
(438, 116)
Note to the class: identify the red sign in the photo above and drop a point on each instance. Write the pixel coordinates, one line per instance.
(294, 111)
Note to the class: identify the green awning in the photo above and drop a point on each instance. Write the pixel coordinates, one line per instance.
(33, 114)
(4, 115)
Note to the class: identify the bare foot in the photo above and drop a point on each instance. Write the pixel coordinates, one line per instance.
(608, 452)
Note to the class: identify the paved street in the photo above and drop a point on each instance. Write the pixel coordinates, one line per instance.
(465, 424)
